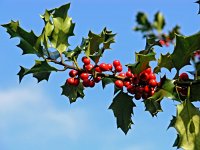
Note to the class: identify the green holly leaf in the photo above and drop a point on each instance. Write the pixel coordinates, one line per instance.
(22, 73)
(41, 70)
(159, 21)
(167, 89)
(91, 45)
(42, 76)
(106, 81)
(153, 106)
(73, 54)
(122, 107)
(187, 124)
(185, 46)
(142, 62)
(143, 22)
(62, 28)
(194, 92)
(164, 61)
(28, 40)
(73, 92)
(173, 32)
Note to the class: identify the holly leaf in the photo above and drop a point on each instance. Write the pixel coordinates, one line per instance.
(187, 124)
(185, 46)
(122, 107)
(41, 70)
(166, 89)
(194, 92)
(73, 92)
(28, 40)
(142, 62)
(63, 28)
(91, 45)
(164, 61)
(22, 73)
(73, 54)
(106, 81)
(159, 21)
(143, 22)
(42, 76)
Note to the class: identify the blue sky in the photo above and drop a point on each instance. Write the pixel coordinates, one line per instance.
(36, 117)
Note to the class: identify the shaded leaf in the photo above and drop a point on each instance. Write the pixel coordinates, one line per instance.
(167, 89)
(164, 61)
(28, 40)
(185, 46)
(198, 2)
(187, 124)
(122, 107)
(159, 21)
(142, 62)
(41, 76)
(143, 23)
(73, 92)
(41, 70)
(106, 81)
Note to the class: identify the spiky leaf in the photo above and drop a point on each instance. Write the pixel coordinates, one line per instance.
(73, 92)
(187, 124)
(159, 21)
(122, 107)
(28, 40)
(167, 89)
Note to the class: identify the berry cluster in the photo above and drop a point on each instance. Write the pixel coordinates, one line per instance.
(143, 85)
(87, 74)
(183, 89)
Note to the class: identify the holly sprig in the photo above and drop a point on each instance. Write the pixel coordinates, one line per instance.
(138, 82)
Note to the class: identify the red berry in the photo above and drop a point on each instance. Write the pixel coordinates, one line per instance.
(119, 84)
(146, 89)
(131, 89)
(84, 76)
(73, 73)
(92, 83)
(122, 74)
(116, 63)
(110, 66)
(151, 92)
(144, 76)
(135, 79)
(184, 91)
(162, 42)
(86, 60)
(76, 82)
(153, 83)
(86, 83)
(118, 68)
(127, 83)
(152, 76)
(104, 67)
(129, 74)
(97, 79)
(184, 76)
(70, 81)
(98, 69)
(89, 67)
(148, 70)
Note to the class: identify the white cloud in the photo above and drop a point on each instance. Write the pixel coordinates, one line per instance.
(31, 108)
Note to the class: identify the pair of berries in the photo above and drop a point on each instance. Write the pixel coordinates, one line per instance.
(142, 85)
